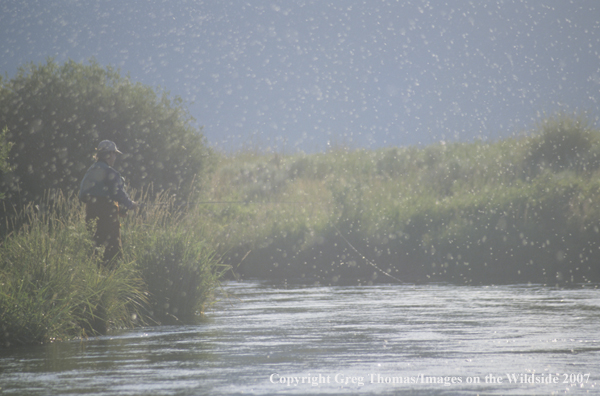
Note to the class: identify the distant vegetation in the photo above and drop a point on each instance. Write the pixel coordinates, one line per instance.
(520, 210)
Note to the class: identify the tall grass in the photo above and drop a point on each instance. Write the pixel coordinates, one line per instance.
(519, 210)
(52, 288)
(169, 247)
(524, 209)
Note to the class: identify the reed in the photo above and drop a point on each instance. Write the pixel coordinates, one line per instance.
(167, 243)
(52, 287)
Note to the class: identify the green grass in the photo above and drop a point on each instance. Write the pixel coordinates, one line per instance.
(169, 247)
(521, 210)
(51, 286)
(53, 289)
(524, 209)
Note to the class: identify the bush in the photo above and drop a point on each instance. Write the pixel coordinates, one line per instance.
(563, 142)
(56, 115)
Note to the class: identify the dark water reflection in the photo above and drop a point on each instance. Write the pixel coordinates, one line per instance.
(365, 337)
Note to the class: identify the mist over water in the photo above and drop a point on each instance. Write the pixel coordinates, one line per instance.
(268, 339)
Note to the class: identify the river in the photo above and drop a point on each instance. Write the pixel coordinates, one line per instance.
(387, 339)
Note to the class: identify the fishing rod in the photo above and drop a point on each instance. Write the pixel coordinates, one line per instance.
(226, 202)
(372, 264)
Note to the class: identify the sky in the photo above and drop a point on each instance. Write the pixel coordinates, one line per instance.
(301, 75)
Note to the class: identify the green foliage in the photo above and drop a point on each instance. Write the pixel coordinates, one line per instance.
(172, 256)
(51, 287)
(55, 116)
(5, 148)
(519, 210)
(563, 142)
(52, 118)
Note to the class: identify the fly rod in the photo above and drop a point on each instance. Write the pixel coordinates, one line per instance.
(372, 264)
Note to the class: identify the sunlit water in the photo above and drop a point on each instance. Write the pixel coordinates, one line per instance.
(393, 339)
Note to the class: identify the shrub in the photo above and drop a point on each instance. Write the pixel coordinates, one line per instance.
(563, 142)
(56, 115)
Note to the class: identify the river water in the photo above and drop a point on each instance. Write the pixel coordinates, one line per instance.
(386, 339)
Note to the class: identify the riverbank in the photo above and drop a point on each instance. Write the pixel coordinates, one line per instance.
(520, 210)
(54, 287)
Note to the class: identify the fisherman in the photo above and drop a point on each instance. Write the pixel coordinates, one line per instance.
(102, 191)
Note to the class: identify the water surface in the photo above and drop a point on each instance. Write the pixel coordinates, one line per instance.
(386, 339)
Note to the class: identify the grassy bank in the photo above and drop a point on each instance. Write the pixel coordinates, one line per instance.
(53, 289)
(525, 209)
(520, 210)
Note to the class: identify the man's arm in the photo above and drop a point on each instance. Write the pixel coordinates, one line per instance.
(116, 188)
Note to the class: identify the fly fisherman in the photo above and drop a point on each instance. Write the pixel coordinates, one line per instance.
(105, 199)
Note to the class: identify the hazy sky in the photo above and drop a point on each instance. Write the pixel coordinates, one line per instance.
(298, 74)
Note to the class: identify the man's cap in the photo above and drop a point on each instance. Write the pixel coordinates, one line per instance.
(106, 146)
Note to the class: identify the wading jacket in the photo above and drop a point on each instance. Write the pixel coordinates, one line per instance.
(103, 181)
